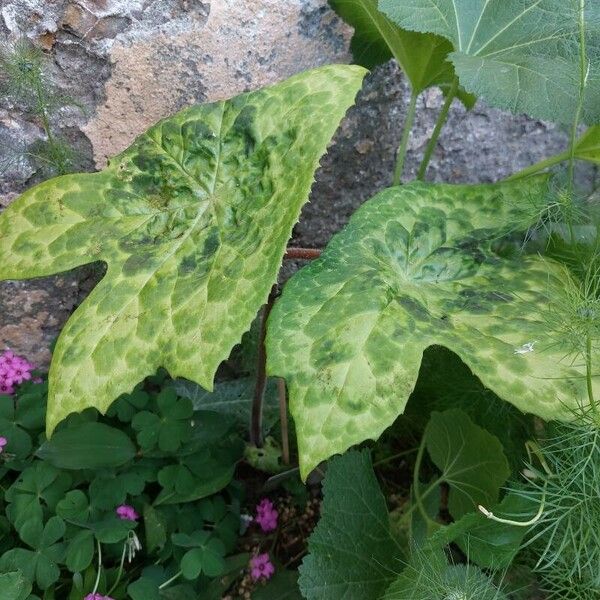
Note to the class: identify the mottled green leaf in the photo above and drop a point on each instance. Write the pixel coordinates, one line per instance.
(422, 56)
(521, 55)
(414, 268)
(87, 446)
(192, 220)
(352, 553)
(470, 459)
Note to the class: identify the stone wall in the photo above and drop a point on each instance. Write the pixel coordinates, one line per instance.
(132, 62)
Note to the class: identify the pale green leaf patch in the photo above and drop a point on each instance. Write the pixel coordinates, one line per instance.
(192, 220)
(415, 268)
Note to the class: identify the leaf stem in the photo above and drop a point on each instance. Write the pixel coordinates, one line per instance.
(302, 253)
(283, 419)
(583, 72)
(99, 567)
(120, 573)
(588, 375)
(261, 375)
(490, 515)
(439, 125)
(416, 484)
(394, 456)
(539, 166)
(402, 149)
(162, 586)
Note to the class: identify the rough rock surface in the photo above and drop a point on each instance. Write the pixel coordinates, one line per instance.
(132, 62)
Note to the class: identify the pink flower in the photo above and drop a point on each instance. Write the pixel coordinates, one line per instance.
(127, 513)
(3, 442)
(97, 596)
(266, 515)
(261, 567)
(14, 370)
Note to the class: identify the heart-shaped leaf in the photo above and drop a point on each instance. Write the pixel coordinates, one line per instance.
(470, 459)
(422, 56)
(413, 269)
(518, 55)
(192, 220)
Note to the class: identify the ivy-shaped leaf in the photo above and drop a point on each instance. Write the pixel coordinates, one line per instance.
(415, 268)
(192, 220)
(517, 55)
(422, 56)
(352, 552)
(470, 459)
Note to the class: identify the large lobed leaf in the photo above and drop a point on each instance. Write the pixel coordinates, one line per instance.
(422, 56)
(521, 55)
(192, 220)
(413, 269)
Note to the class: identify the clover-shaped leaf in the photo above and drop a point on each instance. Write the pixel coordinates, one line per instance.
(37, 490)
(521, 56)
(126, 406)
(415, 268)
(39, 565)
(422, 56)
(192, 220)
(170, 427)
(207, 554)
(14, 586)
(110, 488)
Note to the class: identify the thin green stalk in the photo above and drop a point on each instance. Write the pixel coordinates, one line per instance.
(416, 484)
(162, 586)
(539, 166)
(588, 375)
(394, 456)
(583, 69)
(99, 567)
(439, 125)
(120, 573)
(408, 124)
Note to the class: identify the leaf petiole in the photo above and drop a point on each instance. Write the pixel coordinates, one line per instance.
(402, 149)
(439, 125)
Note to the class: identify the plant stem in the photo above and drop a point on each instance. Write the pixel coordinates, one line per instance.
(99, 567)
(394, 456)
(583, 70)
(302, 253)
(283, 419)
(162, 586)
(416, 484)
(439, 125)
(588, 375)
(408, 124)
(261, 375)
(120, 573)
(539, 166)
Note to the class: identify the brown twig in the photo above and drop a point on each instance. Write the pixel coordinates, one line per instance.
(302, 253)
(261, 375)
(285, 440)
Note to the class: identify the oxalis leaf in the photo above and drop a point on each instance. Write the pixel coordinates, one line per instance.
(376, 39)
(192, 220)
(521, 55)
(415, 268)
